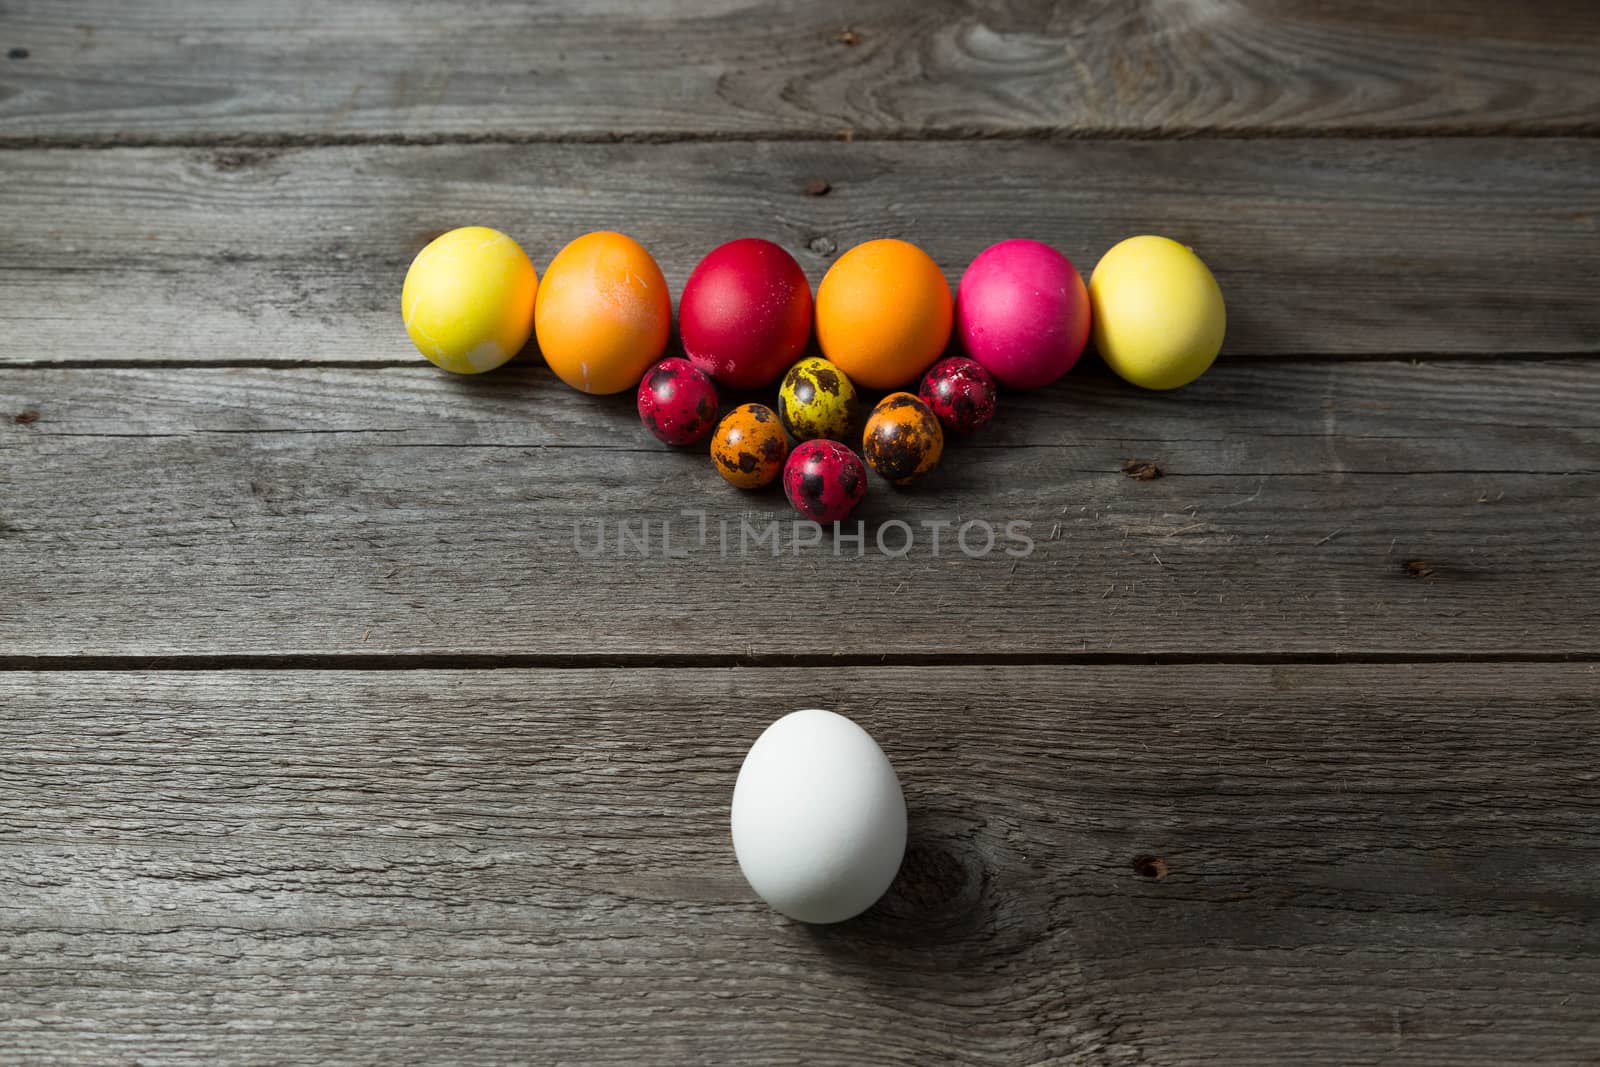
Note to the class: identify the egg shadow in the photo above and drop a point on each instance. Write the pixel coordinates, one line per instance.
(938, 904)
(546, 407)
(523, 375)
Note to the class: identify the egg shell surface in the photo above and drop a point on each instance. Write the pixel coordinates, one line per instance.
(819, 820)
(749, 446)
(1159, 318)
(1022, 311)
(903, 440)
(817, 399)
(960, 393)
(603, 314)
(824, 480)
(884, 313)
(468, 299)
(745, 313)
(677, 402)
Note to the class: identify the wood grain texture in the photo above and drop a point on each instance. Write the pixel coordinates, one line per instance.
(1363, 509)
(111, 70)
(1326, 247)
(1146, 829)
(1359, 865)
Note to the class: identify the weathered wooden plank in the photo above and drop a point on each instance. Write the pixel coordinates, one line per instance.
(1357, 864)
(114, 70)
(1364, 508)
(1327, 247)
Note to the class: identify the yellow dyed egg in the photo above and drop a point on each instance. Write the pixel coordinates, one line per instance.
(468, 299)
(1157, 312)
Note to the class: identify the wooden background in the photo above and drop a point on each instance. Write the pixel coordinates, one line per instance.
(323, 744)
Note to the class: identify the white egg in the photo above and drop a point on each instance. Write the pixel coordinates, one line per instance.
(819, 822)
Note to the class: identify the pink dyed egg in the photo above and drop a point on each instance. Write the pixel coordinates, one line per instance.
(1022, 311)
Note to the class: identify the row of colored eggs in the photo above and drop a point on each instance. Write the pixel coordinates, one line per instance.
(883, 312)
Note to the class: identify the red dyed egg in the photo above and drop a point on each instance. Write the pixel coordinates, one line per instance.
(824, 480)
(745, 314)
(677, 402)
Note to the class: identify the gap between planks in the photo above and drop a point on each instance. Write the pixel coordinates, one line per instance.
(718, 661)
(933, 135)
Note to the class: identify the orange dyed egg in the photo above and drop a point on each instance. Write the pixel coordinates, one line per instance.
(603, 314)
(883, 313)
